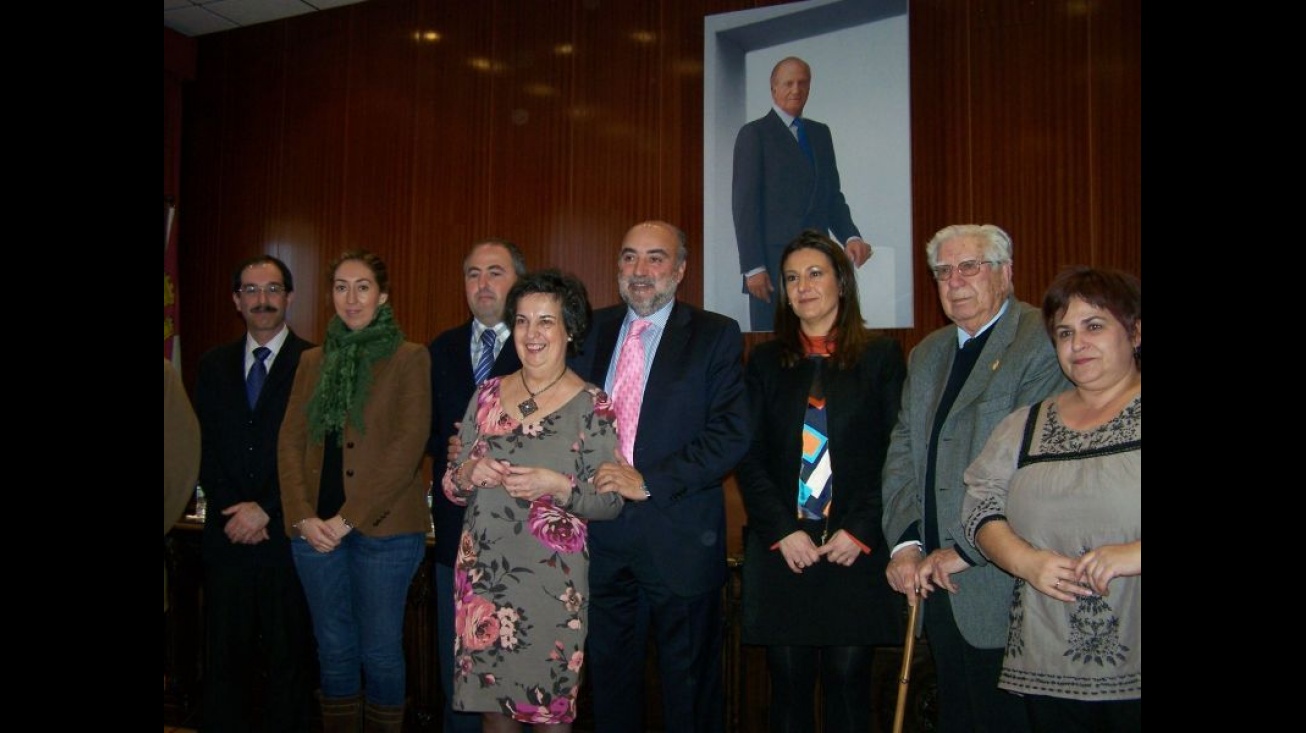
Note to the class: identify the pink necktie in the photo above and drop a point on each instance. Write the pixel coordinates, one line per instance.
(628, 388)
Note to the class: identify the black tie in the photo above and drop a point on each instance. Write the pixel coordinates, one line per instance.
(258, 374)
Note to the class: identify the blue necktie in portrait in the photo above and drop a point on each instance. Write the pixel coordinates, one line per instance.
(258, 374)
(801, 131)
(487, 355)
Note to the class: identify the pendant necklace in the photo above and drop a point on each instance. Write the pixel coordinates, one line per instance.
(528, 406)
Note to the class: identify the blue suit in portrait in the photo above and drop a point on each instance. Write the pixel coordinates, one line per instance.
(777, 192)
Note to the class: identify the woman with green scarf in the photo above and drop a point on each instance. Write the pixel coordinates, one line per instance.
(350, 463)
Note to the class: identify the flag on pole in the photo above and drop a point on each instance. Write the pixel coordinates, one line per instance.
(171, 339)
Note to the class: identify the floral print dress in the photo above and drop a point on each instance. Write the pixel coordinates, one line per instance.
(521, 577)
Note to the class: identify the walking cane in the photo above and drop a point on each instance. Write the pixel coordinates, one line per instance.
(904, 676)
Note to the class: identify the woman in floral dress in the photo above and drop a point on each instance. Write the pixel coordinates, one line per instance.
(531, 442)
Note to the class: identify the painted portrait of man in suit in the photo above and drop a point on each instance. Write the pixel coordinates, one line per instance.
(785, 180)
(839, 70)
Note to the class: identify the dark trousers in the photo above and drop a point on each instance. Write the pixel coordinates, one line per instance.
(627, 598)
(845, 675)
(256, 614)
(969, 698)
(1057, 715)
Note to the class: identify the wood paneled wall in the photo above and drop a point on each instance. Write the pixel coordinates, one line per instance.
(560, 123)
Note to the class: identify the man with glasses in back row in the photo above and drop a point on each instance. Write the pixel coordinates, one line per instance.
(254, 604)
(962, 380)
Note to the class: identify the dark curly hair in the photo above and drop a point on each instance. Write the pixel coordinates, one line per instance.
(569, 292)
(1117, 292)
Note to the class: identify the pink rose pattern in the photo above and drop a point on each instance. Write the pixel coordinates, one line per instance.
(492, 627)
(555, 528)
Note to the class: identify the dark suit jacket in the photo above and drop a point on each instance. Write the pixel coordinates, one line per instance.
(827, 604)
(239, 459)
(451, 389)
(1017, 367)
(385, 493)
(776, 193)
(693, 429)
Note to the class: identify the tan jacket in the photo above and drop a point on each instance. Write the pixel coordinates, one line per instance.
(385, 493)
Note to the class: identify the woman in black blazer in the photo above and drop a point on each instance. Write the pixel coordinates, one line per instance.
(824, 397)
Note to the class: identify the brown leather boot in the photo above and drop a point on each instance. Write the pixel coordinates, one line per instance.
(383, 718)
(340, 714)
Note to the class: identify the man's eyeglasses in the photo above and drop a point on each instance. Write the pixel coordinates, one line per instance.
(969, 268)
(253, 290)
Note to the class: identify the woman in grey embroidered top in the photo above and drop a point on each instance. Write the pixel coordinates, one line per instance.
(1056, 500)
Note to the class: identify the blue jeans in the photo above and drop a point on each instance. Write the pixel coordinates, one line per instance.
(357, 595)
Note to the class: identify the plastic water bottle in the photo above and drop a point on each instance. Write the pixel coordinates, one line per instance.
(201, 504)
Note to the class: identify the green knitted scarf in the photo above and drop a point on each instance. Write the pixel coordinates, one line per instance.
(347, 373)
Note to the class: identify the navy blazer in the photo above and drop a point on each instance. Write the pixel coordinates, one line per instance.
(776, 193)
(693, 429)
(239, 456)
(452, 387)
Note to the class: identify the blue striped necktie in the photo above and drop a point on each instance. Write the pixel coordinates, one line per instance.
(487, 355)
(258, 374)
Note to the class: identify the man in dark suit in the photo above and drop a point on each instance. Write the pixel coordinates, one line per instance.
(489, 271)
(254, 604)
(785, 181)
(962, 380)
(662, 562)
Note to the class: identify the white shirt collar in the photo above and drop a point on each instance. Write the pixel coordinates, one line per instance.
(657, 318)
(274, 344)
(785, 117)
(963, 337)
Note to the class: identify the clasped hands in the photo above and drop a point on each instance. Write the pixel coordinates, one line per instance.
(612, 476)
(247, 523)
(521, 482)
(915, 575)
(1051, 573)
(483, 471)
(801, 552)
(324, 535)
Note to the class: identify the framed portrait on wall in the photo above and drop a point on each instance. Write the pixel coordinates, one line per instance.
(858, 109)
